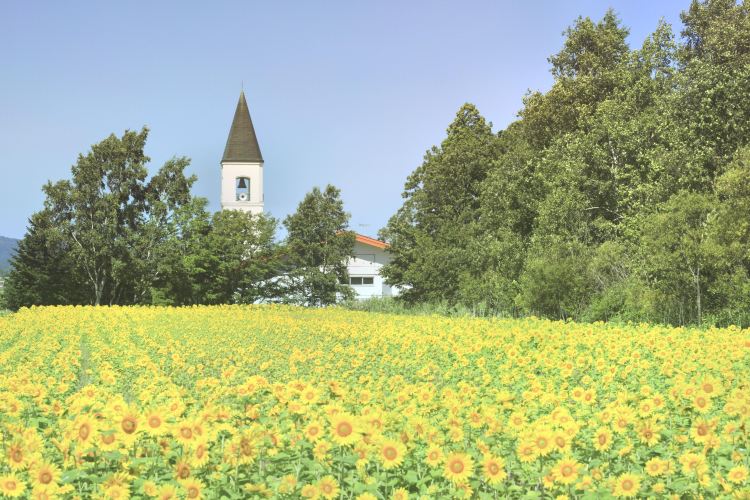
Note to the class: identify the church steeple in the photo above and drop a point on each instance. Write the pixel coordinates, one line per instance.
(242, 144)
(242, 165)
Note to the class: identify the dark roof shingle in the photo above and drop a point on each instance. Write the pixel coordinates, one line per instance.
(242, 144)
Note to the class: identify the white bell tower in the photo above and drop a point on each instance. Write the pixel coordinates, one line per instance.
(242, 165)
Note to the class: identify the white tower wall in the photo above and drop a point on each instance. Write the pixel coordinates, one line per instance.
(230, 171)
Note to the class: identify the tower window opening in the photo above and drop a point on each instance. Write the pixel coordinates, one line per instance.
(242, 189)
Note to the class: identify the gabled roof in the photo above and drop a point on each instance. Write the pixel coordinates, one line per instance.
(366, 240)
(242, 145)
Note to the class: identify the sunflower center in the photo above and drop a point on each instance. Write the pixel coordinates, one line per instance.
(567, 470)
(702, 430)
(560, 442)
(457, 467)
(246, 447)
(45, 477)
(344, 429)
(493, 468)
(128, 425)
(10, 485)
(708, 388)
(193, 492)
(541, 442)
(627, 485)
(183, 472)
(602, 439)
(17, 456)
(83, 431)
(186, 432)
(390, 453)
(154, 421)
(108, 438)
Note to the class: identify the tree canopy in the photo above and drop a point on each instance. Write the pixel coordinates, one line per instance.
(609, 197)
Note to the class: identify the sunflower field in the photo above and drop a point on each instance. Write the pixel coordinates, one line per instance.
(275, 401)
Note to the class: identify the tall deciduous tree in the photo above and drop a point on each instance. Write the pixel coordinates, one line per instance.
(114, 221)
(430, 234)
(319, 244)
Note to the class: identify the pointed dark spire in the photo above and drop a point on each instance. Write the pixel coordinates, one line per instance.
(242, 145)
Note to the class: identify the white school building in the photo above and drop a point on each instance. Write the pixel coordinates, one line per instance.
(242, 189)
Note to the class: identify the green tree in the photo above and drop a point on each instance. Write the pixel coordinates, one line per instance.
(431, 233)
(236, 261)
(318, 246)
(114, 222)
(42, 270)
(680, 256)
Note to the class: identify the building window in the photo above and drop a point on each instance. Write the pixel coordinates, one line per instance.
(361, 280)
(242, 189)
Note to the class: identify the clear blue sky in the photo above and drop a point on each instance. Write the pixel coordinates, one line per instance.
(344, 92)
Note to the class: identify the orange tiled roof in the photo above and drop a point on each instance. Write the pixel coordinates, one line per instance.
(366, 240)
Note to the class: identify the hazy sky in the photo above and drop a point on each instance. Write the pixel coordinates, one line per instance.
(344, 92)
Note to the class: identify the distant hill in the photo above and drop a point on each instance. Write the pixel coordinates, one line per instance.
(7, 246)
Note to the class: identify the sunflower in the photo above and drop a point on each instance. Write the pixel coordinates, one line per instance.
(702, 403)
(199, 456)
(166, 492)
(648, 432)
(433, 456)
(149, 488)
(400, 494)
(565, 471)
(526, 451)
(182, 470)
(313, 431)
(184, 433)
(328, 487)
(693, 463)
(701, 431)
(16, 456)
(310, 395)
(493, 469)
(107, 441)
(562, 442)
(11, 486)
(287, 484)
(627, 485)
(117, 492)
(45, 492)
(458, 467)
(654, 467)
(738, 474)
(154, 422)
(320, 451)
(44, 474)
(310, 491)
(543, 442)
(344, 429)
(602, 438)
(391, 453)
(193, 488)
(128, 422)
(84, 429)
(577, 394)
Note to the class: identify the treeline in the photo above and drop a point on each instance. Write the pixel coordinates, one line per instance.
(621, 193)
(112, 235)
